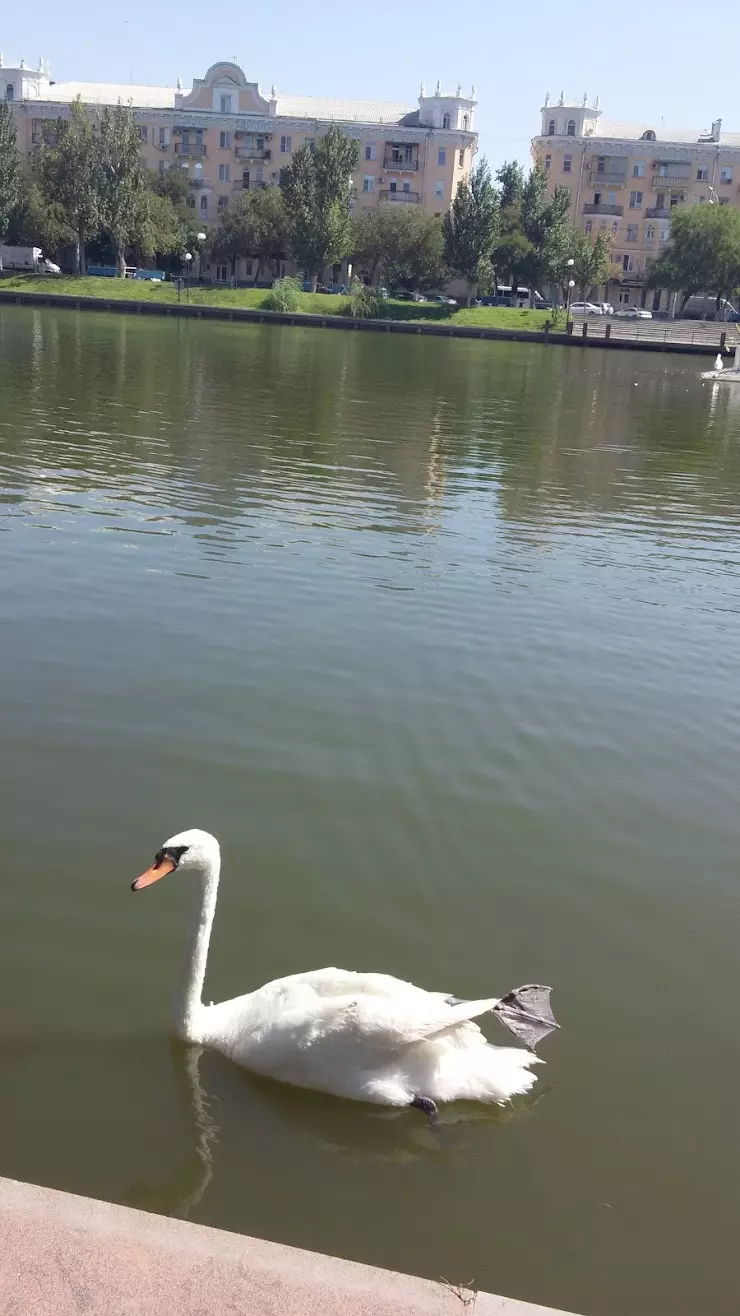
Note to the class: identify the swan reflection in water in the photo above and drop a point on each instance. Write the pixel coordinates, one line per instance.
(237, 1102)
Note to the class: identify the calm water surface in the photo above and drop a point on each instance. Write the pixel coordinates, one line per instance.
(441, 640)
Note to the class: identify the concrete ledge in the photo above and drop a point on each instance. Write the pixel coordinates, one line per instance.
(197, 312)
(62, 1255)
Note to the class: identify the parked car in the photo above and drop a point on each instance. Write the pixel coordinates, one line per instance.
(606, 307)
(633, 313)
(585, 308)
(48, 267)
(406, 295)
(442, 298)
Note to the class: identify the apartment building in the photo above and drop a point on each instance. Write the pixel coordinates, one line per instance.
(626, 180)
(228, 136)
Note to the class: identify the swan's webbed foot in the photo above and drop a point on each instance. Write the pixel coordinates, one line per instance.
(427, 1105)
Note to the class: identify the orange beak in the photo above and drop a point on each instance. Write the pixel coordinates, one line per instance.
(153, 874)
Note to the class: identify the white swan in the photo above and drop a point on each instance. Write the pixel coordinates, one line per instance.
(367, 1036)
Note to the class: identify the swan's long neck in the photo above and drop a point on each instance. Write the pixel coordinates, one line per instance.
(189, 998)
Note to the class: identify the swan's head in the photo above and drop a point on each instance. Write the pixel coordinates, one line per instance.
(192, 849)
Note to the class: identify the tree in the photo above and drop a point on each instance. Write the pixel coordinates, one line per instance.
(10, 170)
(156, 229)
(510, 179)
(66, 169)
(256, 226)
(534, 232)
(37, 222)
(401, 243)
(317, 190)
(703, 254)
(471, 227)
(591, 262)
(119, 179)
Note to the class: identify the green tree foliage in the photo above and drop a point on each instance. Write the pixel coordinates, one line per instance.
(255, 226)
(400, 244)
(66, 168)
(471, 227)
(591, 262)
(534, 239)
(38, 222)
(10, 170)
(317, 190)
(703, 254)
(119, 179)
(284, 295)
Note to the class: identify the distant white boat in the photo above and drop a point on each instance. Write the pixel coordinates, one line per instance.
(731, 376)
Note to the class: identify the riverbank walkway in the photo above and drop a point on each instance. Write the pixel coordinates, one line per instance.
(63, 1255)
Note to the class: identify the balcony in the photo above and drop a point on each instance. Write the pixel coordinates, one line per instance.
(247, 153)
(607, 176)
(247, 184)
(397, 162)
(600, 208)
(659, 212)
(201, 184)
(190, 148)
(662, 181)
(386, 194)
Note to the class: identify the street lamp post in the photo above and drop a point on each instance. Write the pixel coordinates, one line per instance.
(201, 238)
(188, 257)
(571, 284)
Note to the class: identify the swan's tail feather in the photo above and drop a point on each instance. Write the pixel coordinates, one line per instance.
(527, 1013)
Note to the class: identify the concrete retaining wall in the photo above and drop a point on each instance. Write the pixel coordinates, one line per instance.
(196, 312)
(62, 1255)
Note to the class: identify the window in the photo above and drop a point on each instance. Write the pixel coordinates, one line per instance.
(370, 150)
(439, 188)
(164, 137)
(648, 135)
(222, 274)
(442, 156)
(224, 141)
(368, 183)
(660, 201)
(571, 129)
(665, 233)
(628, 263)
(204, 202)
(260, 143)
(143, 132)
(615, 227)
(286, 145)
(223, 173)
(702, 175)
(675, 198)
(567, 163)
(445, 120)
(638, 169)
(461, 160)
(632, 233)
(587, 226)
(407, 185)
(635, 200)
(250, 268)
(725, 175)
(259, 174)
(310, 142)
(548, 163)
(597, 198)
(551, 128)
(466, 122)
(600, 164)
(225, 104)
(10, 92)
(223, 202)
(612, 198)
(393, 185)
(649, 233)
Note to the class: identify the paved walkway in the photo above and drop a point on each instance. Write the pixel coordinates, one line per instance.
(62, 1255)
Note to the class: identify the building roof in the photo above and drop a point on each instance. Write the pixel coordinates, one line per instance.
(110, 93)
(686, 136)
(346, 111)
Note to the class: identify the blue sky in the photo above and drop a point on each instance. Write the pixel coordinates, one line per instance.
(647, 62)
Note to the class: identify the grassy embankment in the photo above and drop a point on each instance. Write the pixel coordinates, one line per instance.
(493, 317)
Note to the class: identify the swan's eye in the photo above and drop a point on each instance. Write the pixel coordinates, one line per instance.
(172, 852)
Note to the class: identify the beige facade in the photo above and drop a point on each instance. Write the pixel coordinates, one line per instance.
(627, 180)
(227, 136)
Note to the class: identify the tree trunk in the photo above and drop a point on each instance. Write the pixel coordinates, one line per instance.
(472, 290)
(120, 251)
(78, 258)
(685, 303)
(314, 281)
(260, 263)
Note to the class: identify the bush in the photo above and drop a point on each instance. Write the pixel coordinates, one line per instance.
(284, 295)
(363, 302)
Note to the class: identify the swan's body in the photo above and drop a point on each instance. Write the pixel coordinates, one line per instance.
(367, 1036)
